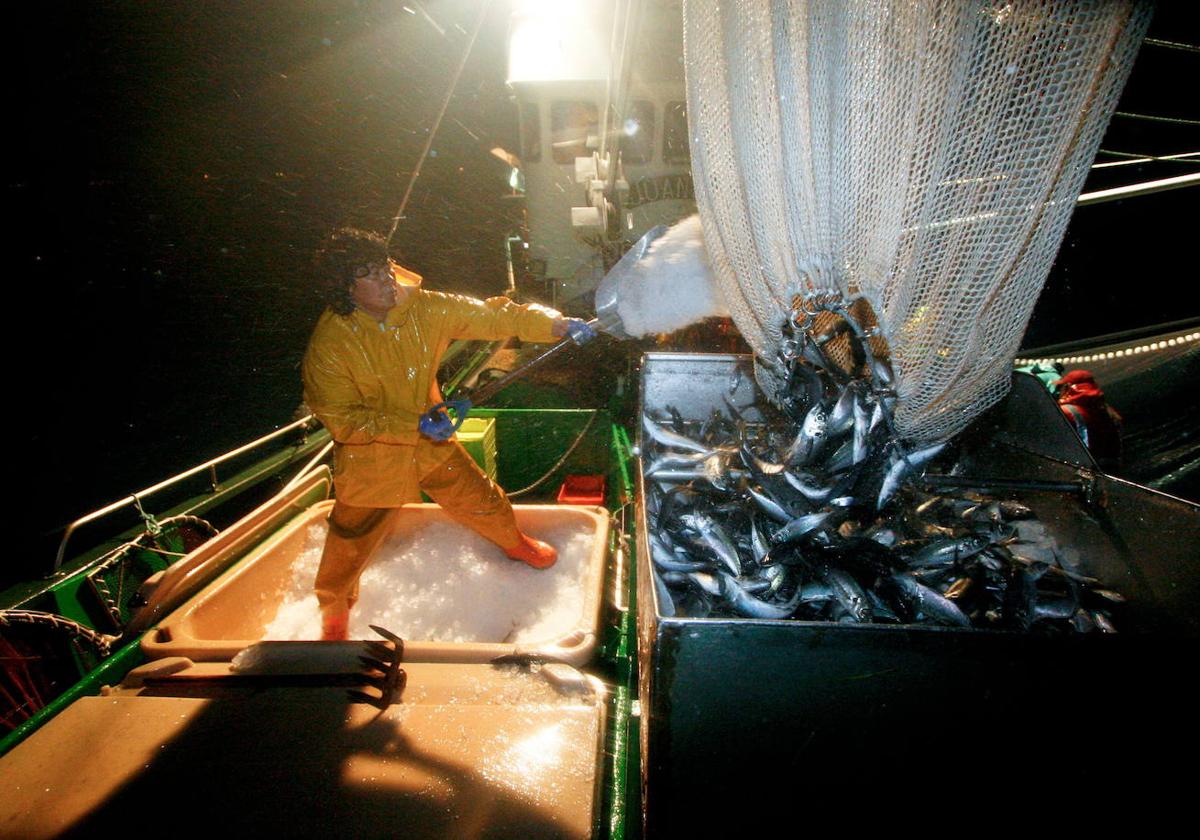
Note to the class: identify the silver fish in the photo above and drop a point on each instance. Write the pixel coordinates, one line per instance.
(809, 439)
(948, 552)
(862, 428)
(881, 373)
(758, 543)
(666, 604)
(801, 525)
(903, 467)
(816, 592)
(807, 486)
(776, 575)
(745, 604)
(1082, 621)
(841, 416)
(675, 460)
(876, 417)
(673, 440)
(666, 560)
(882, 534)
(924, 603)
(712, 536)
(848, 594)
(758, 464)
(710, 584)
(1055, 608)
(768, 505)
(842, 458)
(713, 473)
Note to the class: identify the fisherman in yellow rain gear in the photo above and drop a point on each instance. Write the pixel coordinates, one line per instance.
(369, 376)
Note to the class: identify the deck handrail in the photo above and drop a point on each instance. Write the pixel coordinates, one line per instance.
(310, 466)
(136, 498)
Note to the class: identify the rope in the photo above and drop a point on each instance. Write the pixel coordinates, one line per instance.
(162, 551)
(203, 525)
(545, 477)
(436, 123)
(153, 528)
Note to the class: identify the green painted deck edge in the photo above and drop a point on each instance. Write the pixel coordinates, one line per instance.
(109, 667)
(624, 762)
(110, 671)
(623, 454)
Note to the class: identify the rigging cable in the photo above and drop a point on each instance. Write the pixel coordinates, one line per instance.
(1152, 118)
(437, 122)
(1132, 158)
(1174, 45)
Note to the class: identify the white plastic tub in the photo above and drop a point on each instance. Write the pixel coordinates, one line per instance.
(235, 611)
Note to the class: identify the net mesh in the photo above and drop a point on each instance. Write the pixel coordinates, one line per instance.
(922, 156)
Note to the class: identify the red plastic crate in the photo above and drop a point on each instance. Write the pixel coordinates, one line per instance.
(582, 490)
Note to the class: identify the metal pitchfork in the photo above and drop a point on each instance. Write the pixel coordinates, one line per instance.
(383, 671)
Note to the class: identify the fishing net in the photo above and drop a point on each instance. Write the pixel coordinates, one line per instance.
(921, 158)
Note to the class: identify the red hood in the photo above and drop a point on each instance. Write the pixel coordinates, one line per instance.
(1081, 392)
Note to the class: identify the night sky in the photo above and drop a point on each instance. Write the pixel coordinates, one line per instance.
(180, 162)
(176, 163)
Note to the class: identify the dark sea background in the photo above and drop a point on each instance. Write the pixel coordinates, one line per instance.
(175, 163)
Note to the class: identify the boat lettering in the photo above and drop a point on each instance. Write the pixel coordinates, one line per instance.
(660, 188)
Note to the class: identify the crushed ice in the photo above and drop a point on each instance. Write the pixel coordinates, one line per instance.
(444, 583)
(672, 286)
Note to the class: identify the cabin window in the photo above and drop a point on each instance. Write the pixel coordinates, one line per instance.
(531, 132)
(571, 123)
(675, 133)
(637, 133)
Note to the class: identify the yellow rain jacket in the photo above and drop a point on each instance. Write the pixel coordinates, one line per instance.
(369, 382)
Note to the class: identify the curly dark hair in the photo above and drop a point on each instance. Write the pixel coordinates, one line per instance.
(342, 253)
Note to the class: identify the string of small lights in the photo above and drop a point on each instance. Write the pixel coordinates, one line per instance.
(1105, 355)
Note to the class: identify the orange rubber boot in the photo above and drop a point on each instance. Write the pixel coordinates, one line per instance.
(335, 626)
(533, 552)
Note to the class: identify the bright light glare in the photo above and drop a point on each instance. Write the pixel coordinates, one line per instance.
(546, 8)
(631, 127)
(538, 751)
(559, 39)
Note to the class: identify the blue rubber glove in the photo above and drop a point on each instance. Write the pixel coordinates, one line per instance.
(580, 331)
(437, 424)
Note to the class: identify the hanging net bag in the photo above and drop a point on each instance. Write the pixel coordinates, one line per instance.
(915, 163)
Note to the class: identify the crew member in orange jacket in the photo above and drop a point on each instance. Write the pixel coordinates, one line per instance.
(369, 375)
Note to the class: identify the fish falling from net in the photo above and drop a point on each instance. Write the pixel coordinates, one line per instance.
(811, 511)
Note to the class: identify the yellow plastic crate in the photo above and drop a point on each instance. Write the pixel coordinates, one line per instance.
(478, 436)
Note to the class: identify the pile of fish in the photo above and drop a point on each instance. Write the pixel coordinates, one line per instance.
(811, 511)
